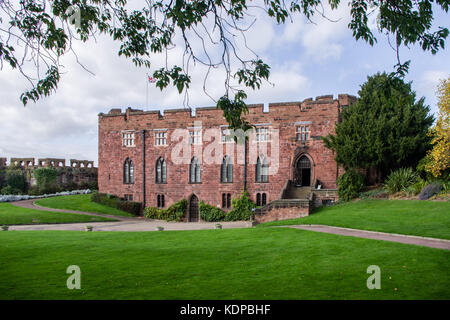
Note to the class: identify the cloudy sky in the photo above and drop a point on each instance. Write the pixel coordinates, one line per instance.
(306, 60)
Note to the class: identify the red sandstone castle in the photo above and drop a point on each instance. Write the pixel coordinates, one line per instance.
(159, 159)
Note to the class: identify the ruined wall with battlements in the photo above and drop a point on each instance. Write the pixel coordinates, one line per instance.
(79, 172)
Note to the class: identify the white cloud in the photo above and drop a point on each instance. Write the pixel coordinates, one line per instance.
(323, 38)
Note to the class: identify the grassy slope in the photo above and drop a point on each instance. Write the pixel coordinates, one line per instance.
(10, 214)
(261, 263)
(80, 202)
(412, 217)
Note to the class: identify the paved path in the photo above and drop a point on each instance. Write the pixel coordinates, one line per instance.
(123, 223)
(142, 224)
(416, 240)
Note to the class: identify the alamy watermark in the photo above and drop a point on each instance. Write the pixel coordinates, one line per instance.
(74, 280)
(374, 281)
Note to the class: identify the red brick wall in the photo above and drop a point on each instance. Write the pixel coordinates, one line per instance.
(322, 112)
(282, 214)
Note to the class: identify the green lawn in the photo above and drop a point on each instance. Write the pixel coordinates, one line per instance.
(412, 217)
(10, 214)
(80, 202)
(257, 263)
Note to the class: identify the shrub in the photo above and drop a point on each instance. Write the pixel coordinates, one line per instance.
(115, 202)
(46, 180)
(350, 184)
(8, 190)
(400, 180)
(89, 185)
(417, 187)
(242, 208)
(129, 206)
(71, 186)
(210, 213)
(430, 190)
(16, 181)
(374, 194)
(176, 212)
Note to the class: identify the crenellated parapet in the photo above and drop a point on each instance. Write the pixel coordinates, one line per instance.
(51, 162)
(22, 162)
(342, 100)
(45, 163)
(81, 163)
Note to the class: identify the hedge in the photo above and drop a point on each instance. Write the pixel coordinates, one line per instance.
(210, 213)
(176, 212)
(118, 203)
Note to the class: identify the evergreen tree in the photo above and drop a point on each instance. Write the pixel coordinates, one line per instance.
(386, 129)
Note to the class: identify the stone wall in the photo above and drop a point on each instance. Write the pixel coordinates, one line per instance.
(283, 209)
(79, 172)
(321, 197)
(321, 114)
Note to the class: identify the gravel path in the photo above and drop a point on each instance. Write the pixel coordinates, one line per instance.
(123, 223)
(142, 224)
(415, 240)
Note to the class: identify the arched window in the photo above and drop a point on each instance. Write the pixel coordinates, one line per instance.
(226, 172)
(262, 169)
(128, 171)
(264, 199)
(161, 171)
(224, 200)
(161, 202)
(258, 199)
(195, 171)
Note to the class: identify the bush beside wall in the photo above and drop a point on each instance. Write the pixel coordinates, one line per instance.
(350, 185)
(118, 203)
(210, 213)
(242, 208)
(176, 212)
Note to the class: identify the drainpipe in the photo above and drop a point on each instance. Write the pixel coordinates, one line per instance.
(143, 169)
(245, 163)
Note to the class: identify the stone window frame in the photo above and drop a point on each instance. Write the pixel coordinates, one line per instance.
(263, 136)
(128, 171)
(195, 136)
(303, 132)
(128, 197)
(195, 171)
(161, 171)
(261, 199)
(262, 169)
(160, 201)
(160, 137)
(226, 170)
(128, 138)
(226, 137)
(226, 200)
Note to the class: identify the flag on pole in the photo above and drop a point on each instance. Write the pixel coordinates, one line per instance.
(151, 79)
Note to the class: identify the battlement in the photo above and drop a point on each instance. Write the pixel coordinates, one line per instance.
(342, 101)
(46, 163)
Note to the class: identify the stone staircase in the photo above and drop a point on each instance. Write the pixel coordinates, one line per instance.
(293, 192)
(294, 202)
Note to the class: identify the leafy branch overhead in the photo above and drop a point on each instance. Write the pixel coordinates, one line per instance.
(35, 34)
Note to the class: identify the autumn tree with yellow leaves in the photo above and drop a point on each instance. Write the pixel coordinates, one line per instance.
(438, 158)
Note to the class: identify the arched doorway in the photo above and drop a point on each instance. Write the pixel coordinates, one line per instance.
(302, 172)
(193, 209)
